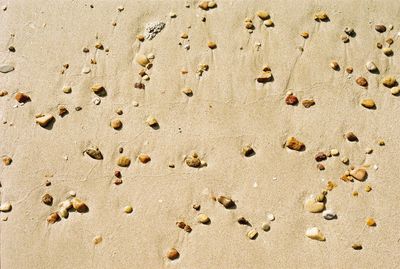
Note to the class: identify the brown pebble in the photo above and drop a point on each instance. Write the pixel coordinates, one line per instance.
(321, 16)
(308, 103)
(360, 174)
(351, 137)
(193, 160)
(320, 156)
(117, 181)
(247, 151)
(362, 81)
(305, 34)
(62, 111)
(320, 166)
(243, 221)
(380, 28)
(389, 40)
(368, 103)
(11, 48)
(97, 88)
(79, 205)
(116, 124)
(53, 218)
(212, 45)
(144, 158)
(140, 37)
(7, 161)
(334, 65)
(356, 246)
(94, 153)
(123, 161)
(47, 199)
(264, 77)
(3, 93)
(349, 70)
(294, 144)
(22, 97)
(291, 100)
(117, 174)
(196, 207)
(227, 202)
(379, 45)
(389, 81)
(172, 254)
(387, 51)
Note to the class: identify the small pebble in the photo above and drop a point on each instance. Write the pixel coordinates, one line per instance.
(264, 77)
(212, 45)
(227, 202)
(389, 81)
(5, 207)
(362, 81)
(368, 188)
(196, 207)
(371, 66)
(123, 161)
(188, 91)
(265, 226)
(172, 254)
(270, 216)
(79, 205)
(243, 221)
(395, 90)
(63, 212)
(334, 65)
(307, 103)
(193, 160)
(7, 160)
(291, 100)
(3, 93)
(350, 136)
(387, 51)
(97, 239)
(248, 151)
(329, 214)
(344, 38)
(252, 234)
(144, 158)
(368, 103)
(151, 121)
(349, 70)
(269, 23)
(262, 14)
(321, 16)
(47, 199)
(312, 205)
(116, 124)
(53, 218)
(334, 152)
(142, 59)
(44, 120)
(320, 156)
(356, 246)
(94, 153)
(294, 144)
(315, 233)
(370, 222)
(203, 218)
(305, 34)
(22, 97)
(97, 88)
(67, 89)
(5, 68)
(368, 150)
(128, 209)
(140, 37)
(379, 45)
(360, 174)
(380, 28)
(349, 31)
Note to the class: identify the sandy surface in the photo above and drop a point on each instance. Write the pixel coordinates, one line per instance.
(228, 110)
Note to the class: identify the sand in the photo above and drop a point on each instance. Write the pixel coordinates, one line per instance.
(227, 111)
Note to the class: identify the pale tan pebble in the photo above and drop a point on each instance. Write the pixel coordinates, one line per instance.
(151, 121)
(321, 16)
(389, 81)
(3, 93)
(116, 124)
(334, 152)
(184, 71)
(63, 212)
(381, 142)
(368, 150)
(395, 90)
(370, 222)
(368, 188)
(389, 40)
(212, 45)
(315, 234)
(249, 25)
(212, 4)
(312, 205)
(7, 160)
(252, 234)
(294, 144)
(387, 51)
(135, 104)
(264, 77)
(140, 37)
(47, 199)
(269, 23)
(172, 254)
(53, 218)
(193, 160)
(227, 202)
(5, 207)
(354, 193)
(97, 239)
(79, 205)
(65, 204)
(99, 46)
(248, 151)
(188, 91)
(94, 153)
(270, 217)
(203, 218)
(123, 161)
(368, 103)
(265, 226)
(334, 65)
(142, 59)
(128, 209)
(44, 120)
(144, 158)
(172, 15)
(344, 38)
(329, 214)
(347, 173)
(184, 36)
(371, 66)
(360, 174)
(262, 14)
(97, 88)
(305, 34)
(266, 68)
(67, 89)
(120, 8)
(203, 5)
(62, 110)
(320, 197)
(307, 103)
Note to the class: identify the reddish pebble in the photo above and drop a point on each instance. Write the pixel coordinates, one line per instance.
(320, 156)
(291, 100)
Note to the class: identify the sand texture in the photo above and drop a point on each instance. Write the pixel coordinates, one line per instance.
(214, 112)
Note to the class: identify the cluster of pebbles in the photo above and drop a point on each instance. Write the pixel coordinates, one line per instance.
(313, 204)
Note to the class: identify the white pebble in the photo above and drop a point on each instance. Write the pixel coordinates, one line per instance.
(270, 216)
(328, 214)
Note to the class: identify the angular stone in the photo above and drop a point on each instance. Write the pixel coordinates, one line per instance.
(315, 233)
(94, 153)
(124, 161)
(79, 205)
(294, 144)
(44, 120)
(313, 206)
(227, 202)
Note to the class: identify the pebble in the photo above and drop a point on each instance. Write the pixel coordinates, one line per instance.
(265, 226)
(395, 90)
(142, 59)
(211, 45)
(153, 28)
(94, 153)
(362, 81)
(97, 88)
(307, 103)
(86, 70)
(79, 205)
(344, 38)
(62, 110)
(5, 68)
(5, 207)
(44, 120)
(321, 16)
(123, 161)
(151, 121)
(360, 174)
(53, 218)
(294, 144)
(389, 41)
(380, 28)
(269, 23)
(291, 100)
(264, 77)
(320, 156)
(329, 214)
(378, 45)
(368, 103)
(243, 221)
(7, 161)
(368, 188)
(172, 254)
(47, 199)
(128, 209)
(227, 202)
(3, 93)
(349, 70)
(370, 222)
(193, 160)
(315, 233)
(349, 31)
(312, 205)
(320, 166)
(116, 124)
(67, 89)
(262, 14)
(252, 234)
(140, 37)
(172, 15)
(389, 81)
(99, 46)
(63, 212)
(203, 5)
(184, 36)
(387, 51)
(96, 101)
(270, 216)
(334, 152)
(22, 97)
(305, 34)
(65, 204)
(371, 66)
(212, 4)
(144, 158)
(356, 246)
(188, 91)
(350, 136)
(72, 193)
(334, 65)
(97, 239)
(248, 151)
(368, 150)
(203, 218)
